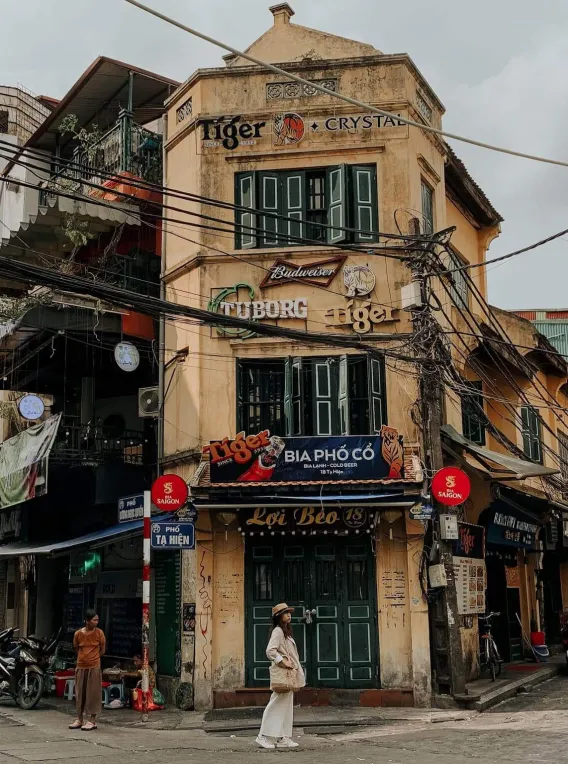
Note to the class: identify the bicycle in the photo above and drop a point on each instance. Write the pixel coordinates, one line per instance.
(490, 658)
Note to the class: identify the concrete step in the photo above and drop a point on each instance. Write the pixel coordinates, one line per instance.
(505, 688)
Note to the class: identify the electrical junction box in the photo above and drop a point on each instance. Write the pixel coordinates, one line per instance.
(449, 527)
(411, 296)
(437, 575)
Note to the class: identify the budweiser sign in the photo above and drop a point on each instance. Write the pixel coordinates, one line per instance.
(320, 273)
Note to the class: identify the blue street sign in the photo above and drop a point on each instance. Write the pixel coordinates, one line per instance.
(131, 508)
(171, 535)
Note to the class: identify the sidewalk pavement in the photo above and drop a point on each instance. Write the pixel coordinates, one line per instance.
(319, 719)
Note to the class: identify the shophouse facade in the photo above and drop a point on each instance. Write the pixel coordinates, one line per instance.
(293, 187)
(80, 375)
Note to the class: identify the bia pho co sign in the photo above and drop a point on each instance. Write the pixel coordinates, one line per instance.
(262, 457)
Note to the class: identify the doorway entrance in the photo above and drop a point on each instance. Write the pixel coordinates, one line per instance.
(331, 583)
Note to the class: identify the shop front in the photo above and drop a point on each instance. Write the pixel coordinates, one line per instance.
(60, 580)
(343, 552)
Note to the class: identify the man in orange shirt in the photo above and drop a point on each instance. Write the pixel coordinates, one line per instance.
(90, 644)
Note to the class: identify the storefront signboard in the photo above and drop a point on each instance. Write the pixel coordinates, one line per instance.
(169, 492)
(289, 128)
(262, 457)
(511, 528)
(168, 535)
(470, 542)
(451, 486)
(318, 273)
(131, 508)
(11, 524)
(306, 520)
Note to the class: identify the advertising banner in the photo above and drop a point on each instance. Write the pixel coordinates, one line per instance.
(266, 458)
(23, 462)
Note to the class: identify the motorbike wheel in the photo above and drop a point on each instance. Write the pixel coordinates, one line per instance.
(28, 699)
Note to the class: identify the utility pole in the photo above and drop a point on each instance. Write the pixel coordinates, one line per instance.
(444, 617)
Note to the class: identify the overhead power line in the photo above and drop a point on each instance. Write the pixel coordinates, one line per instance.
(155, 306)
(353, 101)
(176, 193)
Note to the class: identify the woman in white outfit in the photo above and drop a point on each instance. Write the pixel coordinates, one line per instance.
(278, 717)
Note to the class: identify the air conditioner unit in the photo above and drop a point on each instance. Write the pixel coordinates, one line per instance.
(148, 402)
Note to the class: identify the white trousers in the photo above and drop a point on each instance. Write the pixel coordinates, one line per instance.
(278, 717)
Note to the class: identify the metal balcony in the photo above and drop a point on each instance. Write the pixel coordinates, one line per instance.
(88, 445)
(125, 148)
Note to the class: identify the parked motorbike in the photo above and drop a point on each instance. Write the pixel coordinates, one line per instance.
(22, 670)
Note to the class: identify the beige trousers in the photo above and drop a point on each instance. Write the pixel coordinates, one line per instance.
(278, 717)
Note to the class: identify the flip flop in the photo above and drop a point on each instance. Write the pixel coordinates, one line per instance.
(77, 725)
(88, 727)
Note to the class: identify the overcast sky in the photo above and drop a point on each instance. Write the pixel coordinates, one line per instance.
(498, 66)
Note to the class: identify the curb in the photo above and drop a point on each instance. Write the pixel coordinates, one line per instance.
(491, 698)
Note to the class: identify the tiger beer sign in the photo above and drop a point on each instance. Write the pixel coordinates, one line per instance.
(232, 133)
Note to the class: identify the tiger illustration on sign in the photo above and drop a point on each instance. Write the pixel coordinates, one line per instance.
(288, 128)
(392, 451)
(359, 280)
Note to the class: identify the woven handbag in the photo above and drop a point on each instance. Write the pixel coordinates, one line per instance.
(286, 680)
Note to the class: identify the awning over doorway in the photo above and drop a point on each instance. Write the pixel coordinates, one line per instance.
(90, 540)
(496, 465)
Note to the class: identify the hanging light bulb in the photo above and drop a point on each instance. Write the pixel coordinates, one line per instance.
(391, 516)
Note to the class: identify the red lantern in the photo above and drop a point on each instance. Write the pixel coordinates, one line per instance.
(451, 486)
(169, 492)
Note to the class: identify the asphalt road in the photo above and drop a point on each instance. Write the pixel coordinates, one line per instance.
(531, 728)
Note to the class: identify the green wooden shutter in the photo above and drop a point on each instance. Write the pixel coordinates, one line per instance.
(246, 221)
(336, 192)
(526, 431)
(294, 397)
(377, 402)
(270, 195)
(294, 207)
(324, 396)
(364, 201)
(344, 413)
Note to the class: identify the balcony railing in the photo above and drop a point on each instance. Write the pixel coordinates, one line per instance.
(126, 147)
(85, 444)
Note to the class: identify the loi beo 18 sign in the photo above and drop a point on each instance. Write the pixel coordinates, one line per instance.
(169, 492)
(451, 486)
(262, 458)
(304, 520)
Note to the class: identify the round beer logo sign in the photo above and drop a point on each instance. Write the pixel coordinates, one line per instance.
(169, 492)
(288, 128)
(451, 486)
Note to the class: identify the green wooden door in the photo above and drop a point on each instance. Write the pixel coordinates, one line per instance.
(332, 586)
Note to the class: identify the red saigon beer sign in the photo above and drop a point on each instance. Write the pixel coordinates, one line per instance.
(451, 486)
(169, 492)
